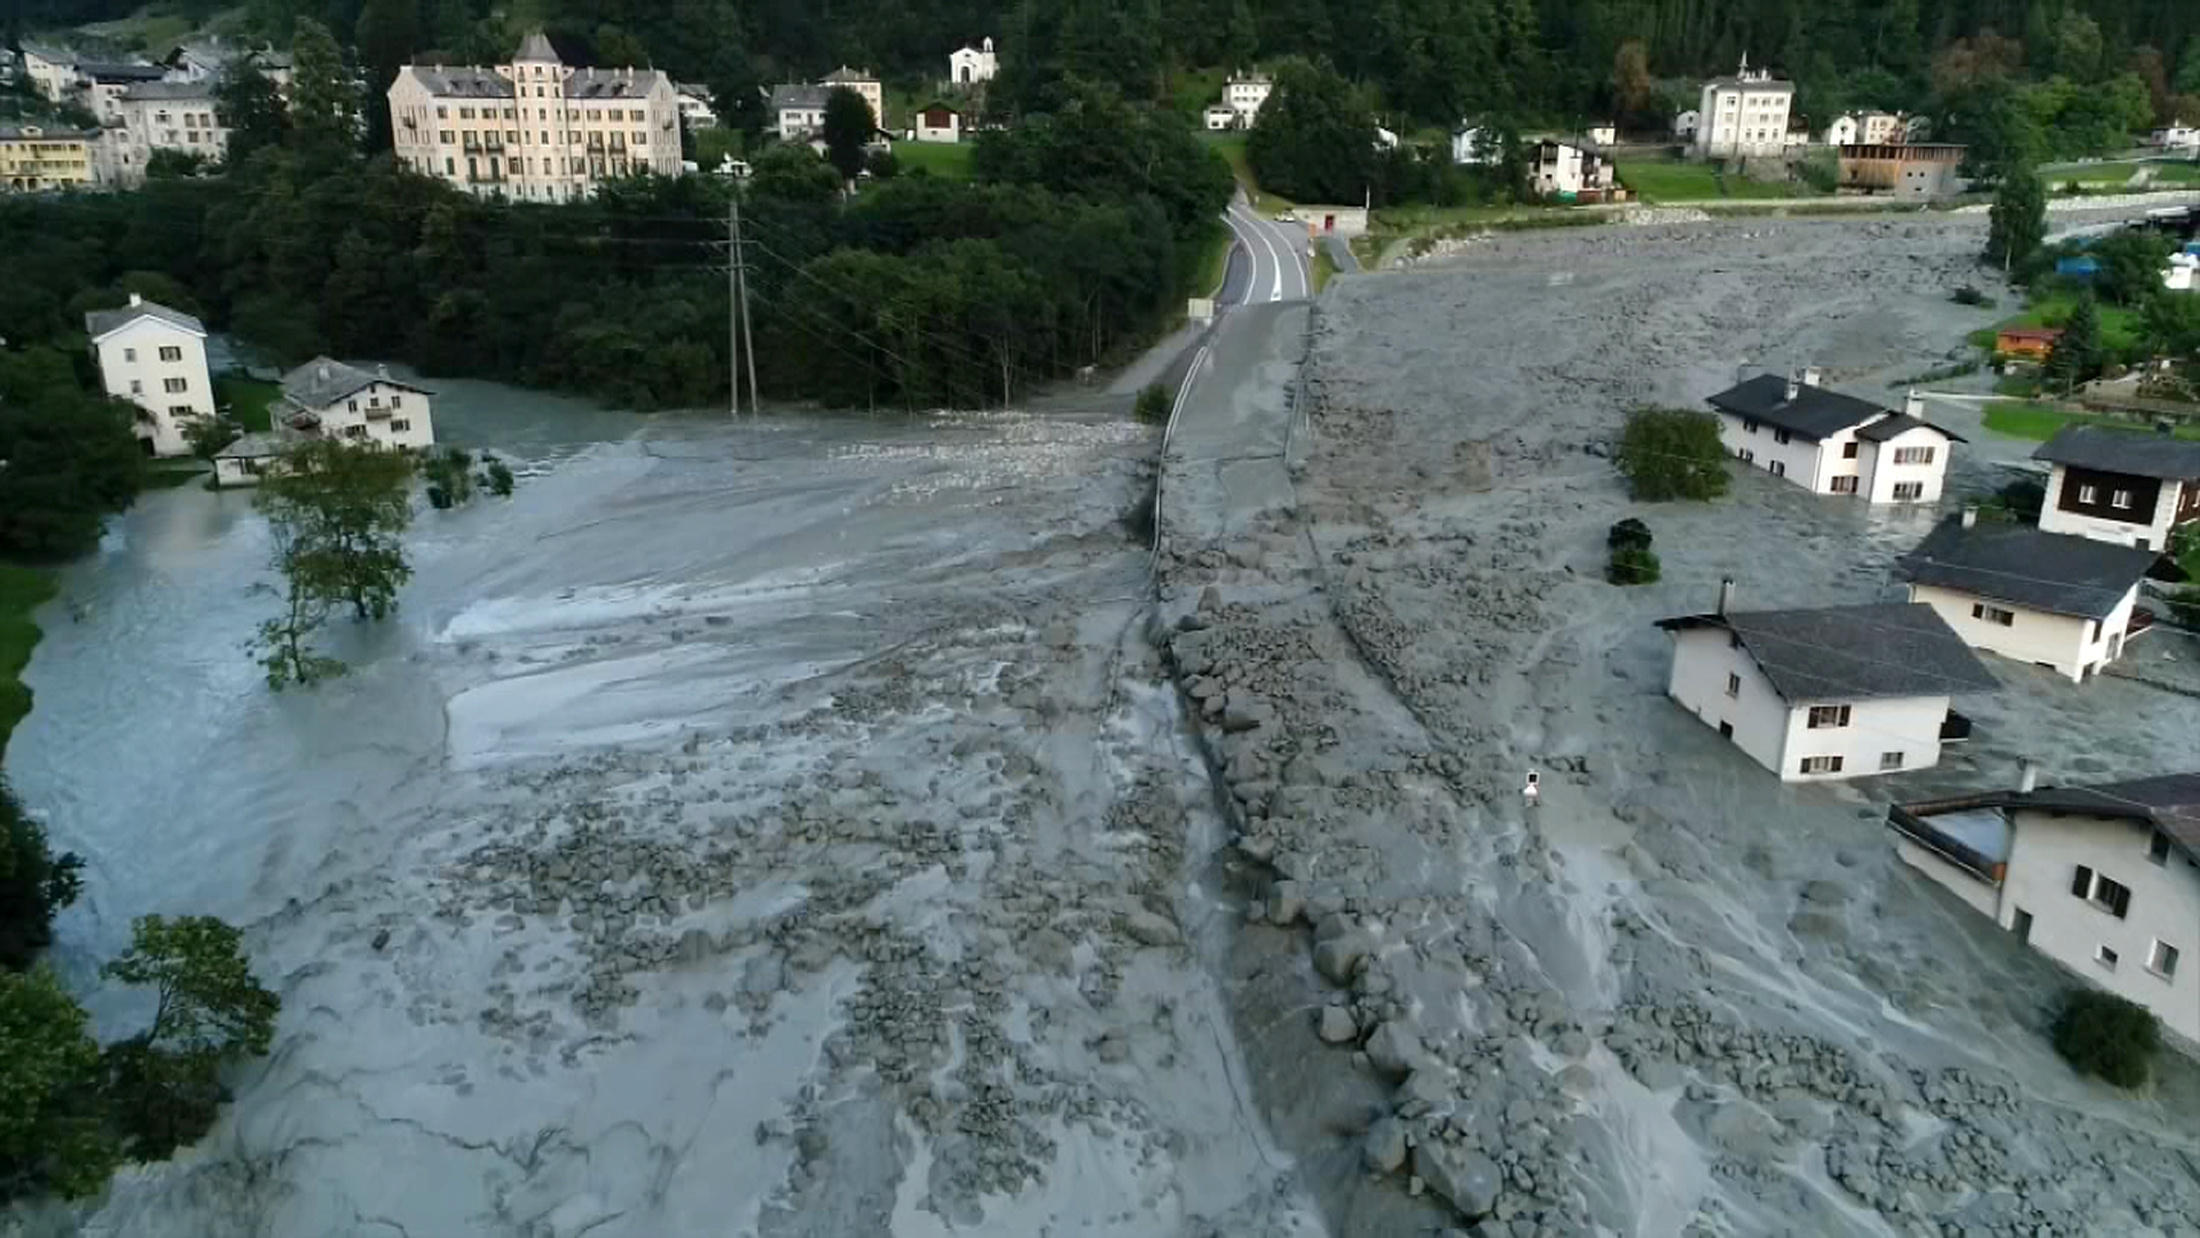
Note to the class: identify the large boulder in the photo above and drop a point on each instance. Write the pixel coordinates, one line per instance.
(1384, 1150)
(1468, 1180)
(1395, 1050)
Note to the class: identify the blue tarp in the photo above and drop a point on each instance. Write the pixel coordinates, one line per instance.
(2085, 268)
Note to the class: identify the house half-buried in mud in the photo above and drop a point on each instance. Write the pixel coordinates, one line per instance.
(2102, 878)
(1826, 694)
(1829, 443)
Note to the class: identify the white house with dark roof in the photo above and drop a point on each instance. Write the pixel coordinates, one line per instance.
(1826, 694)
(1246, 92)
(325, 398)
(1829, 443)
(154, 357)
(798, 111)
(938, 122)
(2103, 878)
(179, 116)
(536, 129)
(2120, 486)
(2067, 603)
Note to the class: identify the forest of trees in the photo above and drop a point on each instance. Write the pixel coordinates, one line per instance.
(1428, 61)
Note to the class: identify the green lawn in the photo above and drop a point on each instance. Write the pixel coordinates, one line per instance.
(2119, 326)
(22, 590)
(2019, 419)
(950, 160)
(1192, 90)
(245, 400)
(1214, 264)
(1231, 146)
(1670, 182)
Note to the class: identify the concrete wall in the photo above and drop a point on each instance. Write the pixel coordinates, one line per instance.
(2053, 519)
(1961, 882)
(1800, 455)
(1907, 725)
(131, 355)
(2165, 905)
(1702, 659)
(1885, 474)
(2070, 645)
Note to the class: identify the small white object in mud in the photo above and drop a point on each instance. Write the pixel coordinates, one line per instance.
(1533, 791)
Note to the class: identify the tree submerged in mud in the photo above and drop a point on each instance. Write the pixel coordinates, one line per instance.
(1672, 453)
(336, 513)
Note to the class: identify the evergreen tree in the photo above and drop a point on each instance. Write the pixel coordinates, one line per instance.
(252, 109)
(848, 130)
(2017, 222)
(324, 101)
(2077, 354)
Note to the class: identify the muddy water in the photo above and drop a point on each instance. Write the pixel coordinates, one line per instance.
(734, 832)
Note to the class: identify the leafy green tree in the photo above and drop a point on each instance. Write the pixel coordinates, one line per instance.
(449, 473)
(208, 435)
(72, 458)
(324, 100)
(2078, 353)
(53, 1136)
(336, 513)
(848, 130)
(2106, 1035)
(1314, 140)
(2170, 326)
(1243, 39)
(164, 1084)
(386, 36)
(2017, 222)
(206, 1000)
(173, 164)
(1631, 86)
(34, 884)
(1672, 453)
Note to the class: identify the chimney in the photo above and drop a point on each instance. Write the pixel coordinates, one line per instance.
(1913, 405)
(382, 371)
(1812, 376)
(1794, 388)
(1726, 593)
(2028, 775)
(1970, 517)
(135, 299)
(322, 371)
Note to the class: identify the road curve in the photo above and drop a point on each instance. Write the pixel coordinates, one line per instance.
(1276, 255)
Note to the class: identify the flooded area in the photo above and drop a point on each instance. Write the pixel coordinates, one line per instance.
(768, 828)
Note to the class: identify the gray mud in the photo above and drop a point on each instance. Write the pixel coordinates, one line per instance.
(1678, 997)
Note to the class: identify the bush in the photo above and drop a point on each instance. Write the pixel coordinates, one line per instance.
(157, 1100)
(2184, 607)
(1632, 565)
(496, 476)
(34, 884)
(1154, 404)
(2103, 1034)
(1628, 534)
(1672, 453)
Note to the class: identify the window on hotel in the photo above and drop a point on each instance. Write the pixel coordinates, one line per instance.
(137, 387)
(1821, 765)
(1890, 761)
(2105, 957)
(2120, 499)
(1913, 455)
(1848, 449)
(1993, 614)
(2162, 960)
(1822, 716)
(1905, 490)
(171, 352)
(129, 354)
(174, 386)
(1844, 485)
(399, 425)
(2088, 494)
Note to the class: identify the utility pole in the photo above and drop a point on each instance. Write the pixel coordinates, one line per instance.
(741, 281)
(733, 301)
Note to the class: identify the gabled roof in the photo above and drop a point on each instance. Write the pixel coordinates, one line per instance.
(1902, 423)
(845, 76)
(1814, 412)
(101, 72)
(2017, 563)
(99, 324)
(2137, 453)
(2167, 802)
(1893, 649)
(795, 95)
(323, 381)
(613, 83)
(460, 81)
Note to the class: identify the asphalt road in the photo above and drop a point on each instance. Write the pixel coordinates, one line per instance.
(1275, 268)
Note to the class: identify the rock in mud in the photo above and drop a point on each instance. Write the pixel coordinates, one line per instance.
(1149, 929)
(1337, 1025)
(1339, 958)
(1395, 1050)
(1286, 903)
(1384, 1149)
(1469, 1181)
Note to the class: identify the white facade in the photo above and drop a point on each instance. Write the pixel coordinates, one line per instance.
(156, 359)
(1220, 116)
(1907, 467)
(695, 107)
(860, 81)
(1603, 134)
(1743, 115)
(1842, 132)
(2045, 855)
(327, 399)
(1565, 169)
(2150, 530)
(968, 66)
(1715, 678)
(177, 116)
(1685, 123)
(939, 123)
(51, 71)
(1473, 145)
(534, 129)
(2068, 645)
(1245, 93)
(2176, 136)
